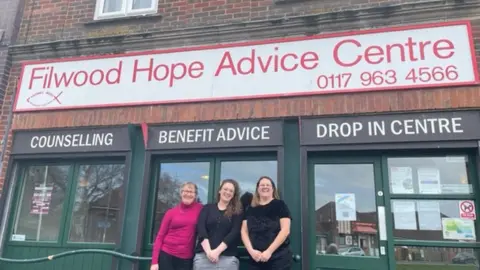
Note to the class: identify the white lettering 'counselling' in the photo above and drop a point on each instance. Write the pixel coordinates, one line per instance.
(71, 140)
(426, 126)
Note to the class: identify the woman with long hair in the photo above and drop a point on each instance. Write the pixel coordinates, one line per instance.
(218, 230)
(266, 229)
(175, 241)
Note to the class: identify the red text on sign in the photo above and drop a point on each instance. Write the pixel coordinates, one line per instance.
(51, 79)
(170, 73)
(378, 78)
(434, 74)
(334, 81)
(410, 51)
(271, 63)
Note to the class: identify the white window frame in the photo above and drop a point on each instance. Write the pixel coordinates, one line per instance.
(126, 10)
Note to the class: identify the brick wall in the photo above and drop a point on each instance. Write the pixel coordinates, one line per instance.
(184, 23)
(73, 19)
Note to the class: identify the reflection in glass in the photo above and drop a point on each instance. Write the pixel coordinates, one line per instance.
(41, 204)
(112, 6)
(98, 198)
(429, 175)
(246, 173)
(141, 4)
(172, 176)
(409, 257)
(424, 220)
(346, 209)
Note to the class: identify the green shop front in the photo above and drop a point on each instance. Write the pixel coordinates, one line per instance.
(390, 191)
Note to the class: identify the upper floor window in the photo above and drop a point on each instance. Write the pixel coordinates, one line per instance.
(107, 9)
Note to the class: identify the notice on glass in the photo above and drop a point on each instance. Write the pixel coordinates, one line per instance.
(345, 207)
(41, 199)
(458, 229)
(404, 215)
(429, 181)
(429, 216)
(401, 180)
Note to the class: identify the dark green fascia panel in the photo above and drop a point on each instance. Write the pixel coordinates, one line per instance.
(291, 182)
(133, 200)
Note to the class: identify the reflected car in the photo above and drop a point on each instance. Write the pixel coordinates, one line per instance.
(464, 258)
(351, 251)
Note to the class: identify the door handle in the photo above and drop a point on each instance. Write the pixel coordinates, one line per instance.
(296, 257)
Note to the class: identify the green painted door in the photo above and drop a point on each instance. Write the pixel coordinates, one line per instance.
(347, 221)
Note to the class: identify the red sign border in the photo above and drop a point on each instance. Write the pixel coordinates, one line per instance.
(466, 23)
(472, 214)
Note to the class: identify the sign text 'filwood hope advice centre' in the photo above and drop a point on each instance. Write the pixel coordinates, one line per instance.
(407, 57)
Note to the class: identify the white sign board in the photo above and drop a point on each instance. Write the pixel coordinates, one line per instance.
(345, 207)
(379, 59)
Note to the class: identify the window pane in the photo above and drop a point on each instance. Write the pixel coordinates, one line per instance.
(345, 209)
(246, 173)
(431, 220)
(112, 5)
(448, 258)
(142, 4)
(429, 175)
(98, 199)
(42, 202)
(172, 176)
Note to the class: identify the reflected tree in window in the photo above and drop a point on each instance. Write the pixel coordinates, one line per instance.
(98, 198)
(42, 203)
(170, 179)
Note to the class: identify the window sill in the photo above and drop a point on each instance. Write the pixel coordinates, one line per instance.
(147, 17)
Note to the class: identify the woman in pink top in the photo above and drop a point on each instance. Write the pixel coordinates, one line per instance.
(173, 247)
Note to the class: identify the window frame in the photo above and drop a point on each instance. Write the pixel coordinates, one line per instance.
(126, 11)
(471, 174)
(66, 217)
(215, 160)
(315, 158)
(148, 234)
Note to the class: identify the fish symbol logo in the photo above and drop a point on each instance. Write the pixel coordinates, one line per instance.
(44, 98)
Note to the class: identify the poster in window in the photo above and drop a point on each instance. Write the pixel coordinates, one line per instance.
(345, 207)
(429, 181)
(404, 215)
(458, 229)
(42, 196)
(429, 216)
(401, 180)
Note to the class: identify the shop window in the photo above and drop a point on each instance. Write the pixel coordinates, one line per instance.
(248, 172)
(451, 258)
(429, 175)
(106, 9)
(98, 199)
(431, 220)
(79, 201)
(345, 209)
(42, 202)
(170, 178)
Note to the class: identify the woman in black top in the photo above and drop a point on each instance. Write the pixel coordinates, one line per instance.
(266, 227)
(218, 230)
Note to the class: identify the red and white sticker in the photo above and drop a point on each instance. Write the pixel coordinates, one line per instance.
(467, 210)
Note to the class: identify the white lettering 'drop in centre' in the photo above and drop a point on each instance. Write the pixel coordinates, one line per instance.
(427, 126)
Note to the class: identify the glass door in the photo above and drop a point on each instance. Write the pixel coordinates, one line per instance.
(347, 207)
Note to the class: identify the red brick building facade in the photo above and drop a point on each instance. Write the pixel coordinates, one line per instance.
(56, 30)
